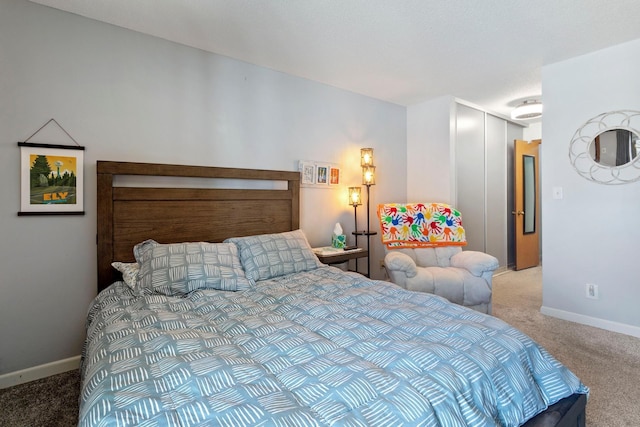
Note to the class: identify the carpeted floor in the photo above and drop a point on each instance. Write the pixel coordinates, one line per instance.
(607, 362)
(49, 402)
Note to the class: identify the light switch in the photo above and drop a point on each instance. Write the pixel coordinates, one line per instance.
(557, 193)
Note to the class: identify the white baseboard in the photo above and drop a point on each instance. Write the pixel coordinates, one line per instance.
(608, 325)
(42, 371)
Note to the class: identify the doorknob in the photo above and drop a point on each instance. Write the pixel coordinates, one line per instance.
(517, 213)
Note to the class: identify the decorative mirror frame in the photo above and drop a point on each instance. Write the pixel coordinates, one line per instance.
(586, 166)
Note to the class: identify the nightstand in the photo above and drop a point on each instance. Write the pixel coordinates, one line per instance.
(329, 255)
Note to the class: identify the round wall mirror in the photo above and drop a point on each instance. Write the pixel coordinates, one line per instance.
(615, 147)
(606, 148)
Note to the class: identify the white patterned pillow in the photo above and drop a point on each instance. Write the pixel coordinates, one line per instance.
(271, 255)
(129, 272)
(180, 268)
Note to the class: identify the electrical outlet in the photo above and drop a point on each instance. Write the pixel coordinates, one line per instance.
(592, 291)
(557, 193)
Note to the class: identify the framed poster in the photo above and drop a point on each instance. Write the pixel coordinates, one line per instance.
(51, 179)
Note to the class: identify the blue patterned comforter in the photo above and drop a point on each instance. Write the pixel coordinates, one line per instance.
(319, 348)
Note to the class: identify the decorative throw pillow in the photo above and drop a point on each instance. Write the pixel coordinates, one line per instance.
(179, 268)
(129, 272)
(271, 255)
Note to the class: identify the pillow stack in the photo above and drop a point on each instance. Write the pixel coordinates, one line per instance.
(177, 269)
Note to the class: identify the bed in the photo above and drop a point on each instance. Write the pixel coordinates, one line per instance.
(220, 314)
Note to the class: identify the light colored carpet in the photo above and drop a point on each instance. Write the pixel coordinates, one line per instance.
(607, 362)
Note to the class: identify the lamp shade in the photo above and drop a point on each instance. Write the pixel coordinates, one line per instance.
(366, 157)
(355, 196)
(369, 175)
(527, 110)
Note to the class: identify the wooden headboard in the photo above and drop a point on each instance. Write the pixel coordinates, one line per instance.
(129, 215)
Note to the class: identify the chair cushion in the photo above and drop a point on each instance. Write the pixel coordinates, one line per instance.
(476, 262)
(435, 257)
(455, 284)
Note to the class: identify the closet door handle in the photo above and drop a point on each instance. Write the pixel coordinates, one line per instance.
(517, 213)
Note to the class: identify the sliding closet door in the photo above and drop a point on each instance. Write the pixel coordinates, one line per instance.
(496, 190)
(470, 174)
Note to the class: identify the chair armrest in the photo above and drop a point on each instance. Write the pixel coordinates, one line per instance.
(397, 261)
(476, 262)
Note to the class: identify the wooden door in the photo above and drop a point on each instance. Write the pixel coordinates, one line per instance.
(527, 203)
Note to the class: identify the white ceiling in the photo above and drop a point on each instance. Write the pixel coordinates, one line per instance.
(488, 52)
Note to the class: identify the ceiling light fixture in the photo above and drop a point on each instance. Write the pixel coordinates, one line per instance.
(529, 109)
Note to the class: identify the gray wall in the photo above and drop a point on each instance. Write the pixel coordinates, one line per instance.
(431, 127)
(130, 97)
(591, 235)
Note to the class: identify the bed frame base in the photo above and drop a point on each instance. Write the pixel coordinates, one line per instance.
(568, 412)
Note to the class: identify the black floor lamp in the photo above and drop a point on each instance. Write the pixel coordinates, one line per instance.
(368, 179)
(355, 200)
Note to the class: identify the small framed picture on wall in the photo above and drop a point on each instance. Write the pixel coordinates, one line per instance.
(334, 175)
(308, 173)
(322, 174)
